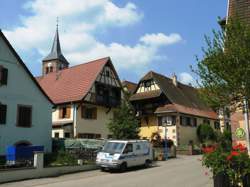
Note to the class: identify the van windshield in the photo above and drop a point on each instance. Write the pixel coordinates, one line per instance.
(113, 147)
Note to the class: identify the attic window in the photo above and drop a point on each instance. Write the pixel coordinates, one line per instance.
(147, 84)
(107, 73)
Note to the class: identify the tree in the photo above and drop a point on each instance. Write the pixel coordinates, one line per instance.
(225, 66)
(205, 133)
(124, 125)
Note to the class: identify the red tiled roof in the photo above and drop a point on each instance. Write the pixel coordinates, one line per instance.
(187, 110)
(72, 84)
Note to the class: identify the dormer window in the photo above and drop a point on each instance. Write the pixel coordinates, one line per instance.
(3, 75)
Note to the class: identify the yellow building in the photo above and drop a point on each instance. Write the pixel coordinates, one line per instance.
(85, 95)
(161, 101)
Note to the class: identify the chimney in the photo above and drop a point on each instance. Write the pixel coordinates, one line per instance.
(174, 79)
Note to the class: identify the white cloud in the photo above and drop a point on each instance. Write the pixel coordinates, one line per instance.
(79, 22)
(186, 78)
(160, 39)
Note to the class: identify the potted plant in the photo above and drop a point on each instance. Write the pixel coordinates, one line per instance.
(228, 168)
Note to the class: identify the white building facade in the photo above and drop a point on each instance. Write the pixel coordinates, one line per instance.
(25, 109)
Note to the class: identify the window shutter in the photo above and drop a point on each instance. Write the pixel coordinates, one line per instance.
(3, 113)
(4, 78)
(68, 112)
(60, 113)
(83, 111)
(95, 113)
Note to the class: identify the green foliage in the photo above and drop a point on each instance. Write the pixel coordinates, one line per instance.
(2, 160)
(205, 133)
(225, 66)
(60, 158)
(124, 125)
(224, 140)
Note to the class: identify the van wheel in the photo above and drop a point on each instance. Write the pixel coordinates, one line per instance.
(103, 169)
(148, 163)
(123, 167)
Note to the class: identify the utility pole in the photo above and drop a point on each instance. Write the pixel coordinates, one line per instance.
(246, 118)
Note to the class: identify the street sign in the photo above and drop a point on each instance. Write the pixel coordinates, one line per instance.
(240, 133)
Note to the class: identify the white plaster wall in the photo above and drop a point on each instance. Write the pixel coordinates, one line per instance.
(22, 90)
(55, 115)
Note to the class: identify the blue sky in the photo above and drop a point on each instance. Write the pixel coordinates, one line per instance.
(138, 35)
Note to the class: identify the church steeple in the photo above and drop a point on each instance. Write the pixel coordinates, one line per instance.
(55, 60)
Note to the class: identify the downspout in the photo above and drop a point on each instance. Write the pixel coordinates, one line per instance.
(74, 120)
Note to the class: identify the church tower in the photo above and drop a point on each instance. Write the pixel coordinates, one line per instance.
(55, 60)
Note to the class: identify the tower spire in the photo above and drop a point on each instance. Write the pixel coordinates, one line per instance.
(55, 56)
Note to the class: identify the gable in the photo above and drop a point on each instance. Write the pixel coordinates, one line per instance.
(106, 79)
(17, 71)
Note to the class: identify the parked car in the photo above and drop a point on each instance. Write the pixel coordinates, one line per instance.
(121, 154)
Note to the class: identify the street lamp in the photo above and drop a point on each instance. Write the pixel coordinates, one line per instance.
(165, 124)
(245, 103)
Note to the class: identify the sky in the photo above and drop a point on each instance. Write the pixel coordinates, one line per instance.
(164, 36)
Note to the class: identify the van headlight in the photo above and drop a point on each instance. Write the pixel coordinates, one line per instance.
(116, 156)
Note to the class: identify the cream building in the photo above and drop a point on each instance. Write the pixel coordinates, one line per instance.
(85, 95)
(25, 109)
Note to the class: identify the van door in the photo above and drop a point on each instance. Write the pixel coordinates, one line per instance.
(140, 160)
(129, 155)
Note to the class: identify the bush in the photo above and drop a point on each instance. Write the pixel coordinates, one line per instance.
(224, 140)
(2, 160)
(205, 133)
(60, 158)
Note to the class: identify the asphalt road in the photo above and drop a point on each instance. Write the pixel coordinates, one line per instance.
(184, 171)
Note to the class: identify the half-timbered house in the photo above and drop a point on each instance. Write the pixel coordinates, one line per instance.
(159, 101)
(85, 95)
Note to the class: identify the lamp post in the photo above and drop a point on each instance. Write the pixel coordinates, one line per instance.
(165, 141)
(246, 118)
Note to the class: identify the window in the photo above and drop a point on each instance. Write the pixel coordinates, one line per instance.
(56, 135)
(46, 70)
(147, 84)
(181, 120)
(66, 135)
(194, 122)
(24, 116)
(188, 121)
(107, 73)
(217, 125)
(138, 147)
(51, 69)
(89, 112)
(3, 76)
(206, 121)
(64, 112)
(3, 113)
(128, 148)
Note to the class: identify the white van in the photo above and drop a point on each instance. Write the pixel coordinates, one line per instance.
(120, 154)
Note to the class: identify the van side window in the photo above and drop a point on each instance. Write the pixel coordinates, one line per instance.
(138, 147)
(128, 148)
